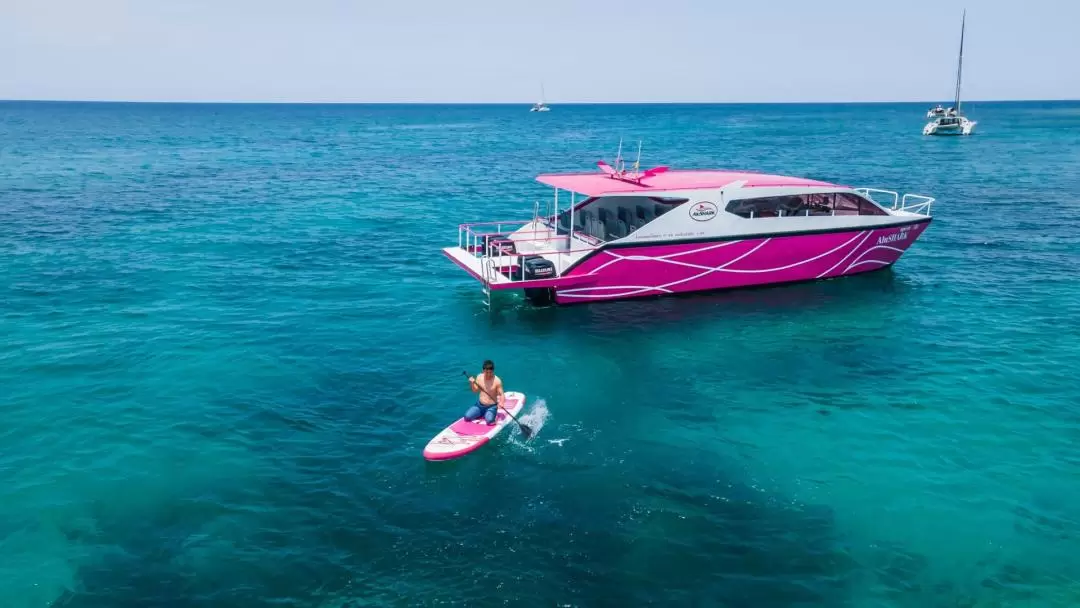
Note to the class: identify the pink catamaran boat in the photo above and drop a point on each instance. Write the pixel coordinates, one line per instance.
(615, 234)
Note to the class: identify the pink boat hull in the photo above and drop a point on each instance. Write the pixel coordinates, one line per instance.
(647, 271)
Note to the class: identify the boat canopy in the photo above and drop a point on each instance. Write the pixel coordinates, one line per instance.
(600, 184)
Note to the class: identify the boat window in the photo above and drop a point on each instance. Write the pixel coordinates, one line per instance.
(821, 204)
(846, 205)
(803, 205)
(853, 204)
(613, 217)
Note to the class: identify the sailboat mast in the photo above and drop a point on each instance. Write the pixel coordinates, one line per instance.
(960, 62)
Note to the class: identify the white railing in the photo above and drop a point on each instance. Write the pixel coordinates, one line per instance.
(485, 245)
(920, 205)
(469, 236)
(866, 192)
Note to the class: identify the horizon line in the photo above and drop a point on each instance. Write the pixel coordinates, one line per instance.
(521, 103)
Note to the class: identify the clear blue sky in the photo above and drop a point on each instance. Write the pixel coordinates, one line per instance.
(501, 50)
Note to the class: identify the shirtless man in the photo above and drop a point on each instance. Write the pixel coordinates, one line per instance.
(490, 398)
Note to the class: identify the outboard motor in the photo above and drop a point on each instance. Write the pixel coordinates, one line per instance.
(540, 296)
(537, 267)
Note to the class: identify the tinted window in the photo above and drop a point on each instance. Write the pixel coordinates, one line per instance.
(846, 204)
(771, 206)
(860, 205)
(804, 205)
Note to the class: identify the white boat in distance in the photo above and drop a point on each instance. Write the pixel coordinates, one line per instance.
(540, 106)
(951, 121)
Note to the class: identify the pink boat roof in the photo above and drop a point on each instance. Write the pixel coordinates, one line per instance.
(600, 183)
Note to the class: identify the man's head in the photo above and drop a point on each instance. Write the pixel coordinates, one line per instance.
(489, 368)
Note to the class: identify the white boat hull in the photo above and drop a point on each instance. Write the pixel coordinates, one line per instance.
(963, 127)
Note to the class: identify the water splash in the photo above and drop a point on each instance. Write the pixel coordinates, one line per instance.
(535, 418)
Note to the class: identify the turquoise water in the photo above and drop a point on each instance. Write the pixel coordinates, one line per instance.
(228, 333)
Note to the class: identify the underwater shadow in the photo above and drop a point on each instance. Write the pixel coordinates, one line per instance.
(861, 293)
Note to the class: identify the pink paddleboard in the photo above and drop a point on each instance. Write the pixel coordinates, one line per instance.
(463, 437)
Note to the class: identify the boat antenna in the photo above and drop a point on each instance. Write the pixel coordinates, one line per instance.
(637, 163)
(618, 159)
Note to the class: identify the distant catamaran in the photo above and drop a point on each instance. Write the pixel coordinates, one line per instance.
(951, 121)
(540, 106)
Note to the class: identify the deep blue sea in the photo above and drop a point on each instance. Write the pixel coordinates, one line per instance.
(227, 333)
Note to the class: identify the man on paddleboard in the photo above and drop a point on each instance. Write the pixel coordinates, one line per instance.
(490, 397)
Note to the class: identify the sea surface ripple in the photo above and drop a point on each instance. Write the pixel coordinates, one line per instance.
(228, 333)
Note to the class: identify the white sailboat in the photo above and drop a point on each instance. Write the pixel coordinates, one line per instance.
(951, 121)
(540, 106)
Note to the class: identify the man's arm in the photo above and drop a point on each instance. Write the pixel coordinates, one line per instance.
(473, 386)
(500, 396)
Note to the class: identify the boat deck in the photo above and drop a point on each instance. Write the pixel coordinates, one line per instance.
(474, 265)
(497, 272)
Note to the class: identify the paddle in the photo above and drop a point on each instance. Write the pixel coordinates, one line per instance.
(525, 430)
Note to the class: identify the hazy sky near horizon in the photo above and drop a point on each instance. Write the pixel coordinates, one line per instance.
(501, 50)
